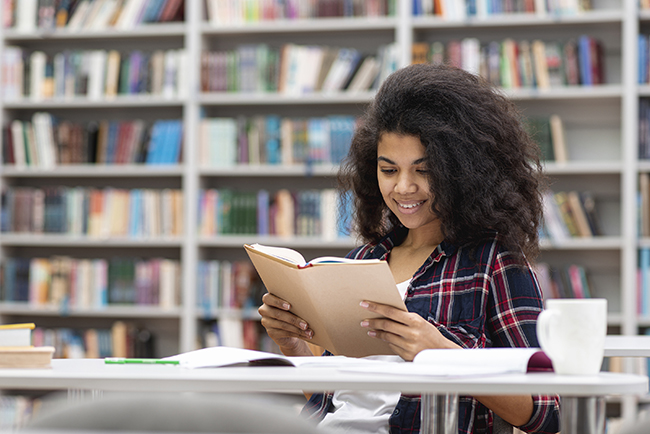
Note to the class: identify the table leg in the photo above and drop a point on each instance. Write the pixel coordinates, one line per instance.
(439, 414)
(582, 415)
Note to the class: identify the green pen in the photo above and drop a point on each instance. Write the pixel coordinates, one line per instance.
(126, 361)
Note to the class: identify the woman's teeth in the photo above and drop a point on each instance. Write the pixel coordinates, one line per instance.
(410, 206)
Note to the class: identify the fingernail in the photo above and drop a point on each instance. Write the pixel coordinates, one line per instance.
(364, 323)
(303, 325)
(363, 304)
(372, 333)
(309, 334)
(286, 306)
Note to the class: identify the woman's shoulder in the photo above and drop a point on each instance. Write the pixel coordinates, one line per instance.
(490, 248)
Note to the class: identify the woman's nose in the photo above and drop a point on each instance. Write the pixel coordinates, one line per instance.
(405, 184)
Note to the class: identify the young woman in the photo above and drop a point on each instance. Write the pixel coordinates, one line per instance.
(447, 186)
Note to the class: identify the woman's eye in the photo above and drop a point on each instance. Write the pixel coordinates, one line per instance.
(387, 171)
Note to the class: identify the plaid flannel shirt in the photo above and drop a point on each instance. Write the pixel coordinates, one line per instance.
(476, 300)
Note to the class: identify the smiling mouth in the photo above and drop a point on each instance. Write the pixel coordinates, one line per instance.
(411, 205)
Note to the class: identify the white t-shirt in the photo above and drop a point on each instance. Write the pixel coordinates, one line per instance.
(357, 412)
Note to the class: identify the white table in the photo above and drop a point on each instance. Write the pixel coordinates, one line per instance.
(627, 346)
(93, 374)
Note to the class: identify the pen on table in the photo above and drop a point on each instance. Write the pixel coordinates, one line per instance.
(125, 361)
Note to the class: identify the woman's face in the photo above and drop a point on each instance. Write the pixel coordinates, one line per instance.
(403, 180)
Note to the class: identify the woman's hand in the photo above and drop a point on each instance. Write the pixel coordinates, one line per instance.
(286, 329)
(407, 333)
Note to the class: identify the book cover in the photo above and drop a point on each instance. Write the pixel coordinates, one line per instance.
(326, 292)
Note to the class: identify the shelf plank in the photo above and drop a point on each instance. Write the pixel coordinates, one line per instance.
(595, 243)
(609, 16)
(94, 171)
(324, 170)
(261, 98)
(583, 167)
(143, 31)
(336, 24)
(135, 311)
(65, 240)
(238, 241)
(120, 101)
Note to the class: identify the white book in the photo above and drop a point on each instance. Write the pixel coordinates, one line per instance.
(37, 62)
(309, 68)
(328, 214)
(365, 76)
(171, 74)
(96, 74)
(16, 335)
(340, 70)
(470, 52)
(168, 283)
(93, 11)
(44, 135)
(26, 12)
(553, 219)
(130, 12)
(182, 83)
(104, 15)
(78, 17)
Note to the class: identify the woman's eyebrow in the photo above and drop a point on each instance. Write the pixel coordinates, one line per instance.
(389, 161)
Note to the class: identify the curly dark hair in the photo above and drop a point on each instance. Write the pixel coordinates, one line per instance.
(483, 167)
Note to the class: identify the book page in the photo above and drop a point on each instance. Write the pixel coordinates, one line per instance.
(283, 253)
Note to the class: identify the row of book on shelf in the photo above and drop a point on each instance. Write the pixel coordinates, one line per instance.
(96, 212)
(324, 213)
(568, 281)
(94, 74)
(570, 214)
(67, 284)
(230, 12)
(271, 139)
(463, 9)
(237, 333)
(227, 285)
(512, 64)
(295, 69)
(74, 15)
(45, 141)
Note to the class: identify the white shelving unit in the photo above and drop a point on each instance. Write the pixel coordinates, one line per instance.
(601, 127)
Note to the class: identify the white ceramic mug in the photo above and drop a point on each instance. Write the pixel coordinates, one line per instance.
(572, 333)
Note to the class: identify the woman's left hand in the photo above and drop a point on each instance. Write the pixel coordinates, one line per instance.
(407, 333)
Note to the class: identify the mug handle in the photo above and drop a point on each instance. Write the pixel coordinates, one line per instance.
(545, 321)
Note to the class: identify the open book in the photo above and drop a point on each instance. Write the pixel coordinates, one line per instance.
(216, 357)
(466, 363)
(326, 293)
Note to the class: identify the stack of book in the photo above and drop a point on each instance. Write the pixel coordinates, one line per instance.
(570, 214)
(17, 351)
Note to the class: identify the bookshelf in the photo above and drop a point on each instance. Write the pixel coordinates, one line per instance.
(601, 125)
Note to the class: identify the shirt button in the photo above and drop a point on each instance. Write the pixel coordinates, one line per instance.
(396, 412)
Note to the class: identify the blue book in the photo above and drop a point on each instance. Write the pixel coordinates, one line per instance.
(172, 142)
(263, 212)
(155, 142)
(644, 264)
(273, 154)
(643, 59)
(9, 288)
(134, 211)
(584, 57)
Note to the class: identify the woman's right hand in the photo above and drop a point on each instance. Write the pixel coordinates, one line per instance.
(286, 329)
